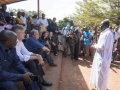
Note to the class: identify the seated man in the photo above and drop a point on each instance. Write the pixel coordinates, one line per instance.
(33, 45)
(9, 61)
(29, 59)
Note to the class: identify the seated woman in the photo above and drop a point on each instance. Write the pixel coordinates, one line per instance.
(44, 39)
(53, 45)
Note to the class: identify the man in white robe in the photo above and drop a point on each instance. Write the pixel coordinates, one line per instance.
(102, 58)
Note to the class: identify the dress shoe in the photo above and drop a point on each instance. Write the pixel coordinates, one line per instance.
(54, 65)
(45, 83)
(56, 54)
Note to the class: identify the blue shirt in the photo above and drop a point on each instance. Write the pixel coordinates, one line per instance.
(86, 36)
(9, 58)
(32, 44)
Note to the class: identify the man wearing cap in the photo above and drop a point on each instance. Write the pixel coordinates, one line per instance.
(54, 29)
(71, 39)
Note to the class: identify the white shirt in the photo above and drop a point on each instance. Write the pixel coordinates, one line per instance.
(34, 21)
(43, 21)
(24, 21)
(22, 52)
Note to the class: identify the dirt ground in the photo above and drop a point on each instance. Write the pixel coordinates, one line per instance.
(74, 75)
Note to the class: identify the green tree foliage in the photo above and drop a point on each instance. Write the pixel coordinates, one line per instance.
(89, 13)
(63, 23)
(28, 13)
(92, 12)
(113, 12)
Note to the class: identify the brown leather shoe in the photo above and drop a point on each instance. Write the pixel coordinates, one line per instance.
(54, 65)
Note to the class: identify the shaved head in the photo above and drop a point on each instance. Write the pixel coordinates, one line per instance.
(104, 24)
(8, 38)
(6, 35)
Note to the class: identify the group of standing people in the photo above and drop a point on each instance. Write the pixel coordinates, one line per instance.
(76, 42)
(100, 44)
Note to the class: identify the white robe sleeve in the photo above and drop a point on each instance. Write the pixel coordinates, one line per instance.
(105, 43)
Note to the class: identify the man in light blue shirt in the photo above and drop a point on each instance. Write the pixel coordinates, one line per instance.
(87, 41)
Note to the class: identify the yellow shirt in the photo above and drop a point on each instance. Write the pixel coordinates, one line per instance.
(19, 20)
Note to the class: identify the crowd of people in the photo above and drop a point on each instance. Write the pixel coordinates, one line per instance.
(28, 43)
(23, 51)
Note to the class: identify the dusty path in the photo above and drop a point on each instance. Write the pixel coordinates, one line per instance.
(71, 77)
(74, 75)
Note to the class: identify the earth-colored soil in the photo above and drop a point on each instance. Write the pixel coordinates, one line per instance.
(74, 75)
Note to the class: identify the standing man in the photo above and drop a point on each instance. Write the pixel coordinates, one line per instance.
(76, 49)
(64, 32)
(2, 22)
(12, 19)
(87, 41)
(24, 19)
(3, 10)
(19, 20)
(3, 15)
(71, 39)
(34, 22)
(43, 22)
(54, 29)
(102, 58)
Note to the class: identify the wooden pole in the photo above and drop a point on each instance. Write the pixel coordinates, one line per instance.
(38, 8)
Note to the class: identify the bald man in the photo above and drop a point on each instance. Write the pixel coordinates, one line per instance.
(9, 61)
(102, 58)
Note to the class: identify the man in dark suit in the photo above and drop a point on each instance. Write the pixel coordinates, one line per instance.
(9, 61)
(54, 29)
(33, 45)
